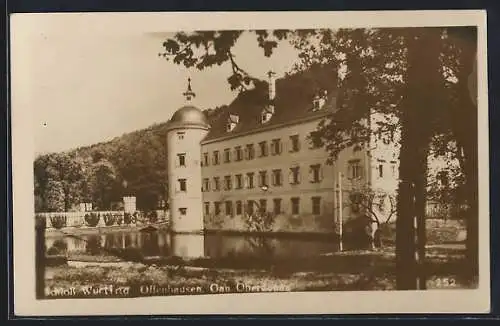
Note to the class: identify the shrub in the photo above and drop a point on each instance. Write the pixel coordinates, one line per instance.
(152, 216)
(127, 218)
(58, 221)
(109, 219)
(118, 219)
(92, 219)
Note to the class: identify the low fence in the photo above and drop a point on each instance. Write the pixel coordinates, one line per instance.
(58, 220)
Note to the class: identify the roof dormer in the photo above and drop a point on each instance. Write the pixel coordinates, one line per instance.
(267, 114)
(232, 122)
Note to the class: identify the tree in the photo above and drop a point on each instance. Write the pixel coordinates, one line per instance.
(103, 183)
(377, 205)
(54, 196)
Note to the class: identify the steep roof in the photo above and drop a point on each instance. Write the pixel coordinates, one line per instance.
(294, 101)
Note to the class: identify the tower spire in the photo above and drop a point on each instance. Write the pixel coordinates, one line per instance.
(189, 94)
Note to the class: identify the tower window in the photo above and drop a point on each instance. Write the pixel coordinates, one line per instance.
(180, 135)
(183, 211)
(316, 205)
(182, 185)
(294, 143)
(182, 159)
(295, 205)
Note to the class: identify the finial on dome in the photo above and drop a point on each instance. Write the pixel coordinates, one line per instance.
(189, 94)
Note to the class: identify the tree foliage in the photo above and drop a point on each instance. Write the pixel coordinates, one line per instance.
(133, 164)
(418, 78)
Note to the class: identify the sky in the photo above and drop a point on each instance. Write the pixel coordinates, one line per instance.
(89, 84)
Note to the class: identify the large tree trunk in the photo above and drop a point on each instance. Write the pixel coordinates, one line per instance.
(421, 100)
(464, 126)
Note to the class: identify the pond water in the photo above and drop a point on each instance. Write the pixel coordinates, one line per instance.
(215, 246)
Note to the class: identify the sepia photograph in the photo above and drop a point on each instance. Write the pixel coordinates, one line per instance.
(329, 162)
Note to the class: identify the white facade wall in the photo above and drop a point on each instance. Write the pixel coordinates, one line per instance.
(185, 205)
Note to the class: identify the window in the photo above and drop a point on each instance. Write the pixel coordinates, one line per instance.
(262, 206)
(227, 182)
(277, 178)
(294, 140)
(276, 147)
(316, 205)
(239, 153)
(239, 207)
(229, 208)
(315, 173)
(217, 208)
(182, 185)
(393, 168)
(250, 151)
(250, 184)
(215, 159)
(205, 159)
(216, 183)
(232, 122)
(181, 158)
(263, 148)
(380, 170)
(354, 169)
(295, 205)
(183, 211)
(180, 135)
(262, 178)
(206, 184)
(294, 175)
(315, 140)
(250, 208)
(239, 181)
(207, 208)
(227, 155)
(277, 206)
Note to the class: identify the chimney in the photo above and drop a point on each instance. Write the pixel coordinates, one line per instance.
(272, 84)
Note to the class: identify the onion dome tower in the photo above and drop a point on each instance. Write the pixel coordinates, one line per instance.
(185, 131)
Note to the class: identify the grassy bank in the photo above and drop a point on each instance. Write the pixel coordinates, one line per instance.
(362, 270)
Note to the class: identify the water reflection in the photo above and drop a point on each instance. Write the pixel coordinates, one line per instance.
(164, 244)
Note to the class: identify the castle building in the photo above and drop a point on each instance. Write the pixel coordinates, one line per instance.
(256, 154)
